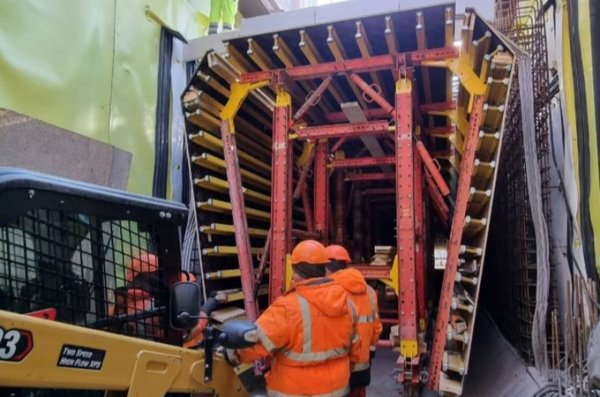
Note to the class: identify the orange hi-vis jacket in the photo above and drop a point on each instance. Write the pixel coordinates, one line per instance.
(310, 331)
(365, 300)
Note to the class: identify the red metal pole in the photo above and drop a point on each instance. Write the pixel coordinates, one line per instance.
(338, 144)
(371, 176)
(240, 222)
(357, 224)
(405, 215)
(321, 191)
(358, 65)
(367, 89)
(433, 170)
(362, 162)
(345, 130)
(437, 199)
(458, 220)
(303, 175)
(340, 117)
(379, 191)
(313, 98)
(437, 106)
(308, 211)
(281, 195)
(339, 207)
(367, 247)
(420, 242)
(262, 264)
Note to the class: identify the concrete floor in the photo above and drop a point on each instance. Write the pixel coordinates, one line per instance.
(383, 383)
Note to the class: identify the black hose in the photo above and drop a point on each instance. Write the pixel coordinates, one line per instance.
(163, 112)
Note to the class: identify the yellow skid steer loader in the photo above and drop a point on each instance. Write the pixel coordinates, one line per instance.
(90, 297)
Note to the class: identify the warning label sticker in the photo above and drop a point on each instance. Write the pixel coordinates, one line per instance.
(81, 357)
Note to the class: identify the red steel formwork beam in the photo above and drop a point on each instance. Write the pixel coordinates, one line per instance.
(437, 107)
(343, 130)
(262, 264)
(321, 191)
(371, 176)
(357, 223)
(405, 215)
(339, 207)
(437, 199)
(379, 191)
(362, 162)
(370, 91)
(359, 65)
(313, 99)
(439, 131)
(240, 222)
(433, 170)
(420, 242)
(340, 117)
(308, 211)
(367, 244)
(304, 174)
(458, 221)
(338, 145)
(281, 195)
(304, 235)
(374, 272)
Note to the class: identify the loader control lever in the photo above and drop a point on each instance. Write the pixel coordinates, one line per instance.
(233, 334)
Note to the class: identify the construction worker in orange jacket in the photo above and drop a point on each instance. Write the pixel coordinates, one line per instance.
(364, 299)
(309, 331)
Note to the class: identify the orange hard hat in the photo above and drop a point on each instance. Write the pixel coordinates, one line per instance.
(143, 263)
(311, 252)
(338, 253)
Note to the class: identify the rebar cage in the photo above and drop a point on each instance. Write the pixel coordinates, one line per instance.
(88, 255)
(513, 260)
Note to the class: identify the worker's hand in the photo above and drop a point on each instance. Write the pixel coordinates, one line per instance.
(196, 335)
(232, 357)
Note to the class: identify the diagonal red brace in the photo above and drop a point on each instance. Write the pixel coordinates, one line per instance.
(367, 89)
(304, 175)
(338, 144)
(433, 170)
(310, 101)
(436, 198)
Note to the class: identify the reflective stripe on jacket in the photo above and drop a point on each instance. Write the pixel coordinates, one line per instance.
(369, 325)
(309, 332)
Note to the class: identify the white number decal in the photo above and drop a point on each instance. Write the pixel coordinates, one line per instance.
(8, 343)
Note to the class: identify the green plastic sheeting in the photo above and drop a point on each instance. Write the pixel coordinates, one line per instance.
(91, 67)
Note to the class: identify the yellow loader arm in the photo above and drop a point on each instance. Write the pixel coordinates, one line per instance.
(37, 353)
